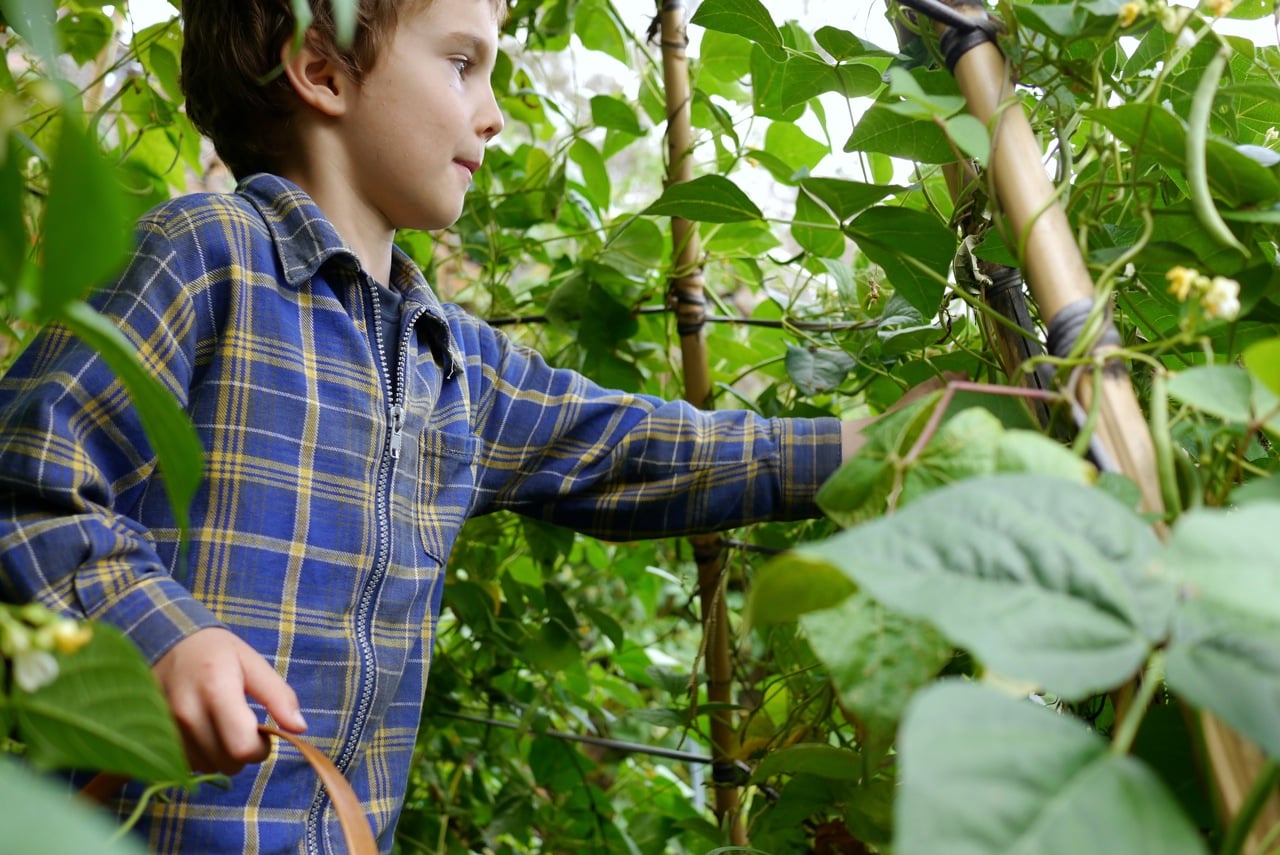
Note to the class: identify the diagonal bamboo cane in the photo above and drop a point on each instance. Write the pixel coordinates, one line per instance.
(1059, 280)
(686, 295)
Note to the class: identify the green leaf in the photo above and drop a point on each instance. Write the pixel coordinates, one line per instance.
(846, 198)
(1225, 391)
(13, 228)
(817, 370)
(708, 199)
(553, 648)
(819, 233)
(595, 172)
(860, 489)
(166, 424)
(1229, 557)
(104, 712)
(970, 136)
(1043, 580)
(1049, 785)
(1160, 138)
(791, 585)
(84, 33)
(35, 21)
(824, 761)
(41, 818)
(914, 248)
(1028, 451)
(1228, 662)
(882, 130)
(794, 147)
(615, 114)
(80, 251)
(1263, 361)
(746, 18)
(598, 30)
(344, 21)
(876, 659)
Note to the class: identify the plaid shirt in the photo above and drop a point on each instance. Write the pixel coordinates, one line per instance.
(334, 487)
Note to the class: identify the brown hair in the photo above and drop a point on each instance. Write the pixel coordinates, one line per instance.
(231, 76)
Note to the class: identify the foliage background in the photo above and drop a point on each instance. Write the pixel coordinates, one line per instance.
(829, 238)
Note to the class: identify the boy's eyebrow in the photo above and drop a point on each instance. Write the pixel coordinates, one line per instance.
(469, 41)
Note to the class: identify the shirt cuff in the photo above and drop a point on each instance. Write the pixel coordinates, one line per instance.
(811, 453)
(155, 612)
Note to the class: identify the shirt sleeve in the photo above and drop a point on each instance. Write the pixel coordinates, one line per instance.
(74, 460)
(622, 466)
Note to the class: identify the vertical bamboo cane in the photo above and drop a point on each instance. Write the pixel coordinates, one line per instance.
(1057, 275)
(686, 295)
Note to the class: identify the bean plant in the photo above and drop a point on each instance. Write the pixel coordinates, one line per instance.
(990, 642)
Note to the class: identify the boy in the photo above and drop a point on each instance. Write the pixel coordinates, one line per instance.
(351, 421)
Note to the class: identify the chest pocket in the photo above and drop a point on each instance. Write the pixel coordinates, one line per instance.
(446, 486)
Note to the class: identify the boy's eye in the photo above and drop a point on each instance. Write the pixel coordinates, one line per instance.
(462, 64)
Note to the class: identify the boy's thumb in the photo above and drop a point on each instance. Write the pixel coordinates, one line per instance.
(269, 689)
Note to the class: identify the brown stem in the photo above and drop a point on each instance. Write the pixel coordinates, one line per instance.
(687, 297)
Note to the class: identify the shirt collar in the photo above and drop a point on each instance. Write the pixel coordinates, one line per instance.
(305, 240)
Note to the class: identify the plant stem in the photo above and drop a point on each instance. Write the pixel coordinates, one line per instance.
(1128, 729)
(1238, 831)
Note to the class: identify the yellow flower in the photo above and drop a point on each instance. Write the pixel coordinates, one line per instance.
(1182, 281)
(1222, 298)
(1131, 11)
(1219, 8)
(69, 635)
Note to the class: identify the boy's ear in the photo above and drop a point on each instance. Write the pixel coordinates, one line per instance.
(319, 80)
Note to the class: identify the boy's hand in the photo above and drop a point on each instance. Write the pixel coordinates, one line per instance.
(851, 438)
(205, 678)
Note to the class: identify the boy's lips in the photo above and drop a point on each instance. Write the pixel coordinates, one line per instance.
(470, 165)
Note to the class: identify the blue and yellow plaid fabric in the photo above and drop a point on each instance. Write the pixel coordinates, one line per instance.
(330, 499)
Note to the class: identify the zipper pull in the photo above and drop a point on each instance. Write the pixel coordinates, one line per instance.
(397, 430)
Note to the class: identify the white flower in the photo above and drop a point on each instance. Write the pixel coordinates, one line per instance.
(33, 669)
(1222, 299)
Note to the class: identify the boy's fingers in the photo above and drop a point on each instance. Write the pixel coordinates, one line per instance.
(267, 687)
(236, 740)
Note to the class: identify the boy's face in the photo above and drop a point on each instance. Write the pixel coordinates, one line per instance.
(418, 125)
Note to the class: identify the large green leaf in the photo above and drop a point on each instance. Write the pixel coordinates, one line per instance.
(1160, 138)
(41, 818)
(1229, 557)
(1045, 581)
(104, 712)
(876, 659)
(81, 251)
(824, 761)
(1228, 661)
(792, 585)
(817, 232)
(883, 130)
(983, 773)
(746, 18)
(846, 198)
(914, 248)
(35, 21)
(708, 199)
(13, 229)
(1227, 392)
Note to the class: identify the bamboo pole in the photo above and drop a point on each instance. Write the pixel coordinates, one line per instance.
(687, 297)
(1058, 278)
(1054, 268)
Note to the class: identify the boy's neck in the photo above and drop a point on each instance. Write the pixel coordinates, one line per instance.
(362, 227)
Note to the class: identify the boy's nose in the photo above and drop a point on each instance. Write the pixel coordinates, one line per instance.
(491, 120)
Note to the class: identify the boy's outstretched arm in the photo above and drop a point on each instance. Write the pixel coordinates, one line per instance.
(205, 678)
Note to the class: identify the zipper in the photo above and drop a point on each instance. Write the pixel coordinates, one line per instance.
(396, 397)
